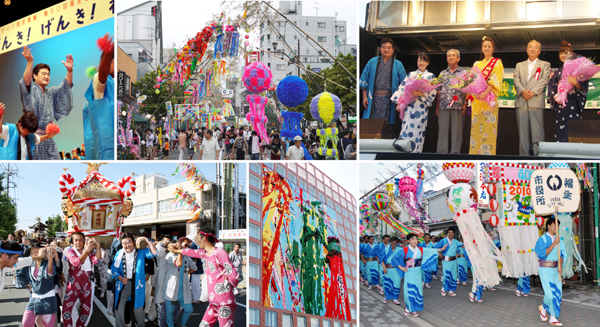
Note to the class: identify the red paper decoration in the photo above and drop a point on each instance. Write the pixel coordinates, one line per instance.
(491, 188)
(539, 221)
(493, 204)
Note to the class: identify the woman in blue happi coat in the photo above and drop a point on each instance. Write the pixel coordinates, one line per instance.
(412, 260)
(448, 247)
(392, 276)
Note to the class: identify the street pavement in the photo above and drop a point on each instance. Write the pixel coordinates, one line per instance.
(13, 303)
(499, 308)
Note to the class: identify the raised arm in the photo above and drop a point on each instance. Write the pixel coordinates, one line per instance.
(107, 58)
(2, 107)
(29, 68)
(69, 66)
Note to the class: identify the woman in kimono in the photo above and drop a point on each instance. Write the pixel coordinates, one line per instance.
(448, 247)
(575, 101)
(415, 113)
(412, 260)
(47, 103)
(484, 120)
(427, 243)
(222, 278)
(43, 299)
(391, 275)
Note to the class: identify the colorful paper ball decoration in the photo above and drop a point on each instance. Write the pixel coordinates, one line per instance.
(494, 220)
(257, 77)
(539, 221)
(364, 209)
(292, 91)
(461, 197)
(407, 185)
(325, 107)
(492, 188)
(459, 172)
(380, 202)
(493, 204)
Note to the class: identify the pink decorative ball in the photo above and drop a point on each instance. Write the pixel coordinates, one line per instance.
(257, 77)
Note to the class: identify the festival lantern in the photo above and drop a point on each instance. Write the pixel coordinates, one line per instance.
(494, 204)
(494, 220)
(539, 221)
(459, 172)
(364, 209)
(491, 188)
(325, 108)
(257, 78)
(96, 206)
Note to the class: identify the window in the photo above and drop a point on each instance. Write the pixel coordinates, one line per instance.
(341, 28)
(167, 205)
(337, 324)
(254, 271)
(338, 208)
(326, 323)
(282, 171)
(347, 269)
(255, 214)
(312, 190)
(269, 164)
(351, 298)
(254, 316)
(281, 24)
(353, 313)
(344, 212)
(292, 178)
(300, 321)
(306, 23)
(341, 231)
(329, 202)
(257, 168)
(281, 67)
(254, 250)
(254, 293)
(288, 320)
(352, 259)
(351, 247)
(255, 197)
(307, 52)
(295, 37)
(321, 197)
(302, 184)
(311, 179)
(270, 318)
(268, 36)
(142, 209)
(343, 242)
(321, 25)
(314, 322)
(254, 230)
(328, 191)
(255, 181)
(344, 255)
(302, 173)
(349, 285)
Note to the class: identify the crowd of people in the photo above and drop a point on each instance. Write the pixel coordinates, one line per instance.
(243, 143)
(396, 263)
(142, 279)
(384, 78)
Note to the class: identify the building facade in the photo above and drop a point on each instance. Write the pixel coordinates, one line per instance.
(327, 211)
(139, 31)
(329, 32)
(126, 77)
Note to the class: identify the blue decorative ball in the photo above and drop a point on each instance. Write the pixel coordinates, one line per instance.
(292, 91)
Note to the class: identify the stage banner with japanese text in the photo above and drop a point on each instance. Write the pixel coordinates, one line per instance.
(58, 19)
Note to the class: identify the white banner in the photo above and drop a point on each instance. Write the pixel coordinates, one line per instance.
(233, 234)
(557, 187)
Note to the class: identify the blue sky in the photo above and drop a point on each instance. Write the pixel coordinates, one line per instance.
(38, 192)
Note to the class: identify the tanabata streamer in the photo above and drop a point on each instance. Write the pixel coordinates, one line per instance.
(256, 116)
(328, 138)
(407, 196)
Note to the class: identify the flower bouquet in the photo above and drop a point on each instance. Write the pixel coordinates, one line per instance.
(582, 69)
(473, 82)
(413, 84)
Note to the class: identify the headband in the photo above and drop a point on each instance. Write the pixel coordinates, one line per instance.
(209, 234)
(9, 251)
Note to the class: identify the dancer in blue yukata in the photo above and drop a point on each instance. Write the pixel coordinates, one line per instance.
(437, 267)
(551, 266)
(369, 258)
(412, 260)
(463, 265)
(363, 268)
(392, 276)
(383, 249)
(447, 247)
(427, 243)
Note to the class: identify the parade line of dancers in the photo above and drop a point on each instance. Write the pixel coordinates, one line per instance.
(384, 265)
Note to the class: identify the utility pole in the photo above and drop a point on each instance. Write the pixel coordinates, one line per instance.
(10, 171)
(218, 222)
(236, 196)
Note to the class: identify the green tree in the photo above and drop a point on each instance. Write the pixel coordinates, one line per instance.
(338, 75)
(155, 103)
(55, 224)
(8, 212)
